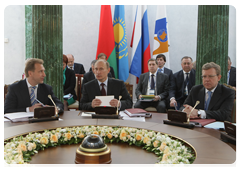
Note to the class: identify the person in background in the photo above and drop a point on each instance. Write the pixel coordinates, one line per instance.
(24, 95)
(69, 82)
(153, 83)
(77, 67)
(231, 74)
(216, 100)
(183, 81)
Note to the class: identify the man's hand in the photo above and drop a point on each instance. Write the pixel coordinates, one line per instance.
(172, 103)
(31, 109)
(96, 102)
(114, 103)
(139, 97)
(156, 98)
(188, 109)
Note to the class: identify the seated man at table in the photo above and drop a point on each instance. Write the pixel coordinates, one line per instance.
(216, 100)
(102, 86)
(23, 95)
(155, 83)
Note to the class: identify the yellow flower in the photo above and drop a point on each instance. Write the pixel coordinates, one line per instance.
(166, 150)
(95, 132)
(165, 157)
(155, 143)
(138, 137)
(44, 140)
(145, 139)
(81, 135)
(54, 138)
(162, 146)
(123, 134)
(22, 146)
(68, 136)
(109, 135)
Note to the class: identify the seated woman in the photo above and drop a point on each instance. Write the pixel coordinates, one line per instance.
(69, 82)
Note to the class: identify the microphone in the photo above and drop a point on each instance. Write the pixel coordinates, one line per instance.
(119, 98)
(197, 102)
(50, 97)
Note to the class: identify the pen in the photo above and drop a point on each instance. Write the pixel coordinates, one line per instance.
(175, 106)
(40, 103)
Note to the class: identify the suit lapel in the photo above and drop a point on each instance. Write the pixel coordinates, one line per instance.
(97, 88)
(145, 83)
(215, 97)
(109, 88)
(201, 98)
(25, 92)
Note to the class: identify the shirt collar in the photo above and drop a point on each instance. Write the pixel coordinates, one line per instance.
(206, 90)
(29, 85)
(105, 82)
(186, 72)
(153, 73)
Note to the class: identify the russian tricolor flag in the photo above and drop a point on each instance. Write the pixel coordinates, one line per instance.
(140, 43)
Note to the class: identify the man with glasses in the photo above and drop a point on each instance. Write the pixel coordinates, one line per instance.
(77, 67)
(216, 100)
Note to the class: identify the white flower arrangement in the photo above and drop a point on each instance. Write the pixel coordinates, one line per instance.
(20, 149)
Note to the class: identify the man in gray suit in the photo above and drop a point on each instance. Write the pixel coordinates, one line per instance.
(216, 100)
(155, 83)
(102, 86)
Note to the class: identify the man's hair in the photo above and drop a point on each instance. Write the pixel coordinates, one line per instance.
(186, 57)
(102, 54)
(229, 59)
(65, 59)
(30, 64)
(101, 60)
(93, 62)
(152, 59)
(210, 65)
(161, 56)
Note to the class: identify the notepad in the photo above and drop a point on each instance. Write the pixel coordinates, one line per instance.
(105, 100)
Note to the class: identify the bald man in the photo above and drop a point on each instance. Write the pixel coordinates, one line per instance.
(77, 67)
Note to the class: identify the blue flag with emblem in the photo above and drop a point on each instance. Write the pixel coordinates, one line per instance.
(120, 36)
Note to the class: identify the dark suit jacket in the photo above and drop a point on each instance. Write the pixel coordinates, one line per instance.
(232, 78)
(169, 73)
(115, 87)
(111, 71)
(18, 98)
(70, 83)
(90, 76)
(78, 68)
(162, 84)
(221, 103)
(177, 88)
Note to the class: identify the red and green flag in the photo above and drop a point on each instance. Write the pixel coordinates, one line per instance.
(106, 43)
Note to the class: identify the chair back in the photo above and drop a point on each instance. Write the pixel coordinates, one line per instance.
(78, 86)
(129, 88)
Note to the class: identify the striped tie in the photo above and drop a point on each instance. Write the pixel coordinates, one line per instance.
(208, 100)
(32, 95)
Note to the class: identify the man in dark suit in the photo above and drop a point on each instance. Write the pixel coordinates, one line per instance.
(183, 81)
(21, 96)
(161, 60)
(77, 67)
(104, 57)
(102, 86)
(152, 83)
(216, 100)
(231, 74)
(90, 75)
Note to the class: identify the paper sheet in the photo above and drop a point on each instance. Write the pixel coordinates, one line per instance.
(105, 100)
(126, 117)
(215, 125)
(88, 114)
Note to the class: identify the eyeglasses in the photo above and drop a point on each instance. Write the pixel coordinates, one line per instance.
(210, 76)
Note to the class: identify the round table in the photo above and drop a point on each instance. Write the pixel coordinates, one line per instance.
(210, 149)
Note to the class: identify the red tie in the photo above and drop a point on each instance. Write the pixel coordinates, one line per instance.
(103, 90)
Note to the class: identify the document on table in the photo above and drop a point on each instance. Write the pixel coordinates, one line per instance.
(215, 125)
(105, 100)
(126, 117)
(88, 114)
(19, 116)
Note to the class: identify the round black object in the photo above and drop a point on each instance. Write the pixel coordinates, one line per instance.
(93, 142)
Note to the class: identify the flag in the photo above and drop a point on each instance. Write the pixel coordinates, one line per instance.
(140, 42)
(160, 44)
(106, 43)
(120, 36)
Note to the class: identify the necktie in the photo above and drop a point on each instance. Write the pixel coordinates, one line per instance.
(160, 70)
(32, 95)
(103, 92)
(228, 75)
(208, 100)
(187, 79)
(152, 82)
(71, 67)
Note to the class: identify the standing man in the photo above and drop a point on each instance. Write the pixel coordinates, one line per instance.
(77, 67)
(21, 96)
(155, 83)
(102, 86)
(231, 74)
(216, 100)
(183, 81)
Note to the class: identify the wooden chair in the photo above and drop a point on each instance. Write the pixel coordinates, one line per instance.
(5, 90)
(78, 86)
(129, 88)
